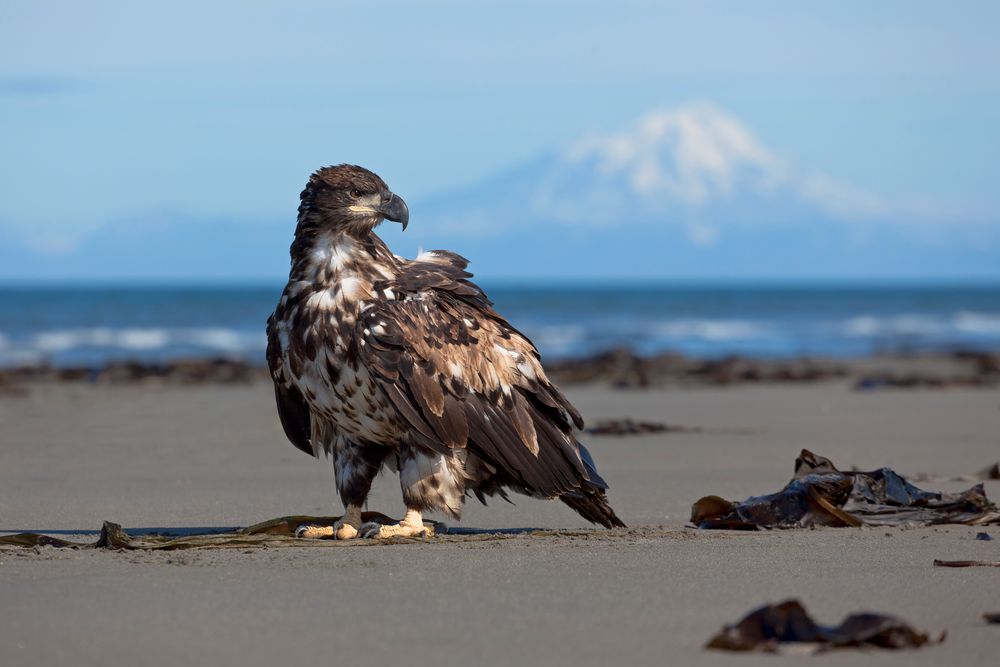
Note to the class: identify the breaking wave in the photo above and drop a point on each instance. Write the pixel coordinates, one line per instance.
(919, 325)
(784, 335)
(86, 345)
(714, 330)
(979, 323)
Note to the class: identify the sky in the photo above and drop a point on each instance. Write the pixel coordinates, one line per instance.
(112, 111)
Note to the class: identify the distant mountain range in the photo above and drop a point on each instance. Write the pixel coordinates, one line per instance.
(690, 192)
(686, 192)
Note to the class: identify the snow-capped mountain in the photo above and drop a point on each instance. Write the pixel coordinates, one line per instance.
(689, 157)
(693, 166)
(690, 191)
(683, 192)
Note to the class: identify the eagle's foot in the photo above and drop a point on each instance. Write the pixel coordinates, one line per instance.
(309, 531)
(412, 525)
(338, 531)
(382, 530)
(345, 528)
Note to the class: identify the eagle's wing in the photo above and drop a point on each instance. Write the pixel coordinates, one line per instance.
(462, 376)
(292, 408)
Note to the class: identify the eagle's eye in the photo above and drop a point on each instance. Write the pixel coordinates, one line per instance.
(355, 193)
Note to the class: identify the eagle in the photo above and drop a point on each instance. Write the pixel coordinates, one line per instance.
(381, 361)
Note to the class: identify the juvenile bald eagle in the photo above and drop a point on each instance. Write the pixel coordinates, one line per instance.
(380, 360)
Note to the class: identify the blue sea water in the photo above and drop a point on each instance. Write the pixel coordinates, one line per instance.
(72, 325)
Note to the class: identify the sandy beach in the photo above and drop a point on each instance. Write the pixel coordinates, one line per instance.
(184, 458)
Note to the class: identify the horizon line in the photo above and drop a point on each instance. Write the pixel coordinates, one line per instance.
(561, 282)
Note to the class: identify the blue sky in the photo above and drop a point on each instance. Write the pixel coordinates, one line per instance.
(110, 111)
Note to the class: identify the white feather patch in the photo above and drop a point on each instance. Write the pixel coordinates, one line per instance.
(351, 287)
(527, 370)
(324, 300)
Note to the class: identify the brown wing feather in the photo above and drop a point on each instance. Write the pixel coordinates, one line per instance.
(292, 408)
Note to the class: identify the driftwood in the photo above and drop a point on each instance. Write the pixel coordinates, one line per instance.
(821, 495)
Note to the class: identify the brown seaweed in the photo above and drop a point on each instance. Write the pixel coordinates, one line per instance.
(278, 532)
(623, 368)
(821, 495)
(766, 628)
(177, 371)
(967, 563)
(629, 426)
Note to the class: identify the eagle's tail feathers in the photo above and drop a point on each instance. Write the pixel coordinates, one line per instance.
(592, 504)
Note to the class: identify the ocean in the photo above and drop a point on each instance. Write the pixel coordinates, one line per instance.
(87, 326)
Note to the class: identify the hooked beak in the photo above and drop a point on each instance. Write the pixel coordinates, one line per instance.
(395, 209)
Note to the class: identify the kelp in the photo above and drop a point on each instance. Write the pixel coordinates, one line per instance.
(966, 563)
(629, 426)
(278, 532)
(821, 495)
(767, 628)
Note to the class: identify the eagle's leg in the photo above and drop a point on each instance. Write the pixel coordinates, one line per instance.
(430, 481)
(346, 528)
(355, 467)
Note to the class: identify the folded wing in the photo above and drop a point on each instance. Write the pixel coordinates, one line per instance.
(461, 376)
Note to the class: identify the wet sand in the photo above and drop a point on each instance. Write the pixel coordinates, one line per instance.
(183, 458)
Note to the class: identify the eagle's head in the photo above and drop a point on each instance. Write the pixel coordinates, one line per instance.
(351, 199)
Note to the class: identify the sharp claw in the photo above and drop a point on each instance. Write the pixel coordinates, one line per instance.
(378, 531)
(310, 531)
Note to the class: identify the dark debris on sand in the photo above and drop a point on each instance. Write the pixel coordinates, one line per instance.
(628, 426)
(621, 368)
(280, 532)
(966, 563)
(978, 369)
(181, 371)
(624, 369)
(821, 495)
(892, 380)
(284, 532)
(767, 628)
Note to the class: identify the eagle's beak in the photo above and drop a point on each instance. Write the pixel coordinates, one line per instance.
(395, 209)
